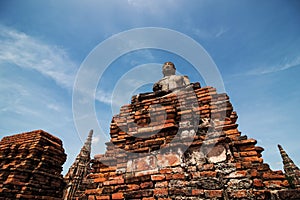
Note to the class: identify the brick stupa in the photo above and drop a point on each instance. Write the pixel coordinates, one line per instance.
(182, 143)
(75, 179)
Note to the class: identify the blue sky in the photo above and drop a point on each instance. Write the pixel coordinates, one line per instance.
(254, 44)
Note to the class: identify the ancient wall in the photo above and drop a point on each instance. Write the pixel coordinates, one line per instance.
(31, 166)
(183, 145)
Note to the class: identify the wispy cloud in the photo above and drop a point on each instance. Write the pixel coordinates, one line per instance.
(28, 52)
(287, 63)
(205, 32)
(104, 96)
(54, 107)
(221, 32)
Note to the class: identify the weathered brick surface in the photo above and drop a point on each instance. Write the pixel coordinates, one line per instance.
(76, 179)
(292, 172)
(31, 166)
(155, 152)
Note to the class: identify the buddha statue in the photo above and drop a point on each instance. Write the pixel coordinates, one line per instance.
(170, 81)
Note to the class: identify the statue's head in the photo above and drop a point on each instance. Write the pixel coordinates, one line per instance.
(168, 69)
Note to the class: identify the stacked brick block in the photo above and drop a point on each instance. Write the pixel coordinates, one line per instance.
(31, 166)
(183, 145)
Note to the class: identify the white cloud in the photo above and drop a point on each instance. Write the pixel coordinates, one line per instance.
(28, 52)
(104, 96)
(54, 107)
(96, 139)
(290, 63)
(287, 63)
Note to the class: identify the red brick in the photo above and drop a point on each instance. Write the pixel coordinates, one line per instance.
(118, 195)
(238, 194)
(166, 171)
(99, 180)
(177, 170)
(174, 176)
(247, 148)
(254, 173)
(114, 182)
(133, 187)
(93, 191)
(248, 153)
(160, 191)
(169, 125)
(99, 197)
(108, 169)
(257, 183)
(196, 192)
(146, 185)
(162, 184)
(208, 174)
(89, 198)
(238, 165)
(253, 159)
(273, 175)
(157, 177)
(213, 193)
(273, 184)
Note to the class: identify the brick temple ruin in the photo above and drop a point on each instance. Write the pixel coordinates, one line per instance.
(180, 141)
(31, 166)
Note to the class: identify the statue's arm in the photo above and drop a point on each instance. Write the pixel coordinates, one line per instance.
(186, 80)
(157, 87)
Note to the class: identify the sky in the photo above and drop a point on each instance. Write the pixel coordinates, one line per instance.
(47, 46)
